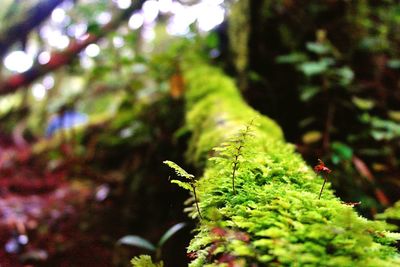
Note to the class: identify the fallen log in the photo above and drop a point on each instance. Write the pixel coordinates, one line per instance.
(273, 215)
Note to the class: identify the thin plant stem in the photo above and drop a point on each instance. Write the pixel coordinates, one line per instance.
(158, 253)
(196, 201)
(322, 188)
(238, 153)
(235, 166)
(233, 175)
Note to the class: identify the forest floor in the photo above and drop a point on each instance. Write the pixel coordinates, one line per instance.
(41, 215)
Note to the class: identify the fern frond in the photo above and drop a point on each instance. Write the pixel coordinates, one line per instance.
(184, 185)
(179, 170)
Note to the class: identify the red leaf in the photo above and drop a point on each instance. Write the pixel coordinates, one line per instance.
(218, 231)
(362, 168)
(242, 236)
(321, 167)
(382, 198)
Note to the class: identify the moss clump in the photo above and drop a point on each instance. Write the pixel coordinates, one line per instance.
(391, 213)
(275, 218)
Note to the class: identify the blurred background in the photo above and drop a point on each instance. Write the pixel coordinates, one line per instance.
(91, 104)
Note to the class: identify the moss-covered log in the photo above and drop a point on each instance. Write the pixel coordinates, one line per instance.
(275, 217)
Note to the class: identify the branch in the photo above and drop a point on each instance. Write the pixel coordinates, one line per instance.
(32, 18)
(59, 59)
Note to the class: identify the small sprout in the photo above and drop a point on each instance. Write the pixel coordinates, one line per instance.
(240, 142)
(191, 185)
(140, 242)
(234, 152)
(321, 168)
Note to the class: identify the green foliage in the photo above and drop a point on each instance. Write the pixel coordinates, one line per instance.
(382, 129)
(275, 218)
(145, 261)
(335, 79)
(328, 70)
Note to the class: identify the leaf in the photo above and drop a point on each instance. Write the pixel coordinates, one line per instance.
(335, 159)
(364, 104)
(381, 196)
(311, 137)
(291, 58)
(380, 135)
(179, 170)
(394, 115)
(184, 185)
(308, 92)
(176, 85)
(343, 150)
(363, 169)
(305, 122)
(394, 63)
(254, 76)
(346, 75)
(212, 40)
(170, 232)
(384, 129)
(93, 28)
(315, 67)
(372, 43)
(136, 241)
(317, 48)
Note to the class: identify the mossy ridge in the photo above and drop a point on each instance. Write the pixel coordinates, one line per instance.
(276, 204)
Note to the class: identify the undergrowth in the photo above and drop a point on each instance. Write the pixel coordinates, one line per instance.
(258, 198)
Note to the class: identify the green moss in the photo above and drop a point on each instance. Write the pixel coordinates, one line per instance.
(145, 261)
(276, 205)
(391, 213)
